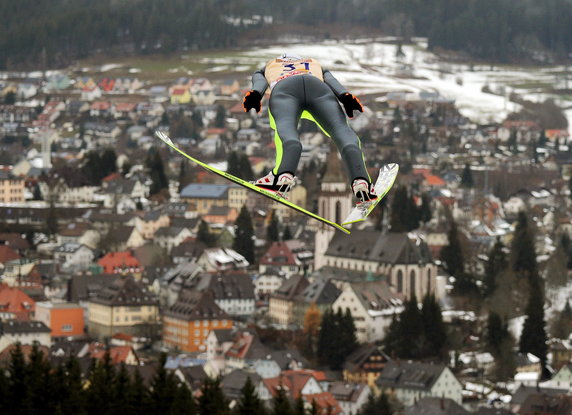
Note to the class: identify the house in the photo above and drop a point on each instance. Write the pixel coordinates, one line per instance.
(364, 365)
(267, 284)
(205, 196)
(563, 378)
(122, 238)
(321, 293)
(245, 351)
(15, 241)
(218, 342)
(229, 87)
(124, 110)
(233, 291)
(406, 261)
(192, 376)
(188, 322)
(432, 405)
(179, 94)
(233, 383)
(561, 353)
(117, 354)
(220, 215)
(74, 256)
(412, 381)
(124, 306)
(120, 263)
(100, 109)
(7, 254)
(14, 302)
(542, 404)
(279, 360)
(11, 188)
(279, 256)
(221, 259)
(350, 396)
(169, 237)
(24, 332)
(63, 319)
(523, 392)
(281, 304)
(78, 233)
(149, 222)
(300, 383)
(372, 305)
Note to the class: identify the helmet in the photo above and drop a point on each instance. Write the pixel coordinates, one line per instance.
(289, 57)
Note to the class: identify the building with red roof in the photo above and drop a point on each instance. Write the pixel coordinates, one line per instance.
(7, 254)
(14, 302)
(301, 383)
(120, 263)
(117, 354)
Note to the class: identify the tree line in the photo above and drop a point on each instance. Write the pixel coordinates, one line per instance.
(32, 385)
(56, 32)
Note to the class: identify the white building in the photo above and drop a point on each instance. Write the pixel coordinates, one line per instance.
(74, 256)
(411, 381)
(372, 305)
(24, 332)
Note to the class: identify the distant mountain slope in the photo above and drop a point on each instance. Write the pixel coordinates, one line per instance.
(55, 32)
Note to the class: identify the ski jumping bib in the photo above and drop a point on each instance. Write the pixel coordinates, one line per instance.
(278, 69)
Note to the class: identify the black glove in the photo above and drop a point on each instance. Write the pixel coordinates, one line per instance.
(350, 104)
(252, 100)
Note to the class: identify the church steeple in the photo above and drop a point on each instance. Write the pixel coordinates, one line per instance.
(334, 169)
(334, 203)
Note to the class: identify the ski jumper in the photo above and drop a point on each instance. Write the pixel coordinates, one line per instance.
(302, 89)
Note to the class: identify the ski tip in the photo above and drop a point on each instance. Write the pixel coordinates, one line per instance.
(162, 136)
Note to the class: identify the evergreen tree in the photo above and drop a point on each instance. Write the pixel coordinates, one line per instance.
(348, 335)
(495, 334)
(220, 117)
(18, 389)
(411, 328)
(37, 195)
(523, 254)
(397, 220)
(562, 326)
(233, 164)
(281, 404)
(452, 254)
(496, 263)
(244, 235)
(204, 235)
(327, 337)
(73, 401)
(467, 177)
(101, 396)
(184, 402)
(212, 400)
(163, 389)
(425, 209)
(108, 162)
(159, 180)
(273, 230)
(533, 337)
(139, 398)
(376, 406)
(299, 406)
(39, 382)
(249, 403)
(4, 393)
(122, 405)
(434, 332)
(245, 168)
(184, 175)
(52, 219)
(287, 235)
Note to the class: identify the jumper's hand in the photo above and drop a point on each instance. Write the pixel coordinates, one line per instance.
(252, 100)
(350, 104)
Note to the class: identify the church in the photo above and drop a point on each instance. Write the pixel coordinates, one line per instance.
(402, 258)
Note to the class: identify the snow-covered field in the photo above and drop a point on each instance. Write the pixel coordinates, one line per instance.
(372, 66)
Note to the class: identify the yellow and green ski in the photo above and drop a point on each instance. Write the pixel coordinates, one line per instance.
(165, 138)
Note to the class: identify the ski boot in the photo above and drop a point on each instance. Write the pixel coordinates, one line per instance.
(364, 192)
(280, 184)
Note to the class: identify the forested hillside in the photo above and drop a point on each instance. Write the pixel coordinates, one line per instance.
(59, 31)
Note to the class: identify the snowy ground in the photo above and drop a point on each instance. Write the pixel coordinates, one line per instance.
(372, 67)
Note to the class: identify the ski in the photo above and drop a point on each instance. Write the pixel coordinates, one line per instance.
(165, 138)
(387, 175)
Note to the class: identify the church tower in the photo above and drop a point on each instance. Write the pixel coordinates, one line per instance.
(334, 203)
